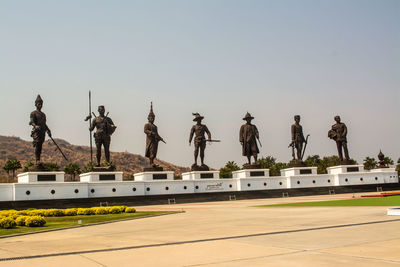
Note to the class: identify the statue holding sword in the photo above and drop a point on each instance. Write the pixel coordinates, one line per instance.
(152, 139)
(39, 130)
(104, 129)
(199, 130)
(297, 143)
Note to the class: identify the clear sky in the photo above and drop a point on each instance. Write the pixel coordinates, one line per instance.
(220, 58)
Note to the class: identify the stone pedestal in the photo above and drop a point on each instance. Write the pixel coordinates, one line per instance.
(294, 171)
(197, 175)
(35, 177)
(345, 169)
(250, 173)
(384, 170)
(154, 176)
(101, 177)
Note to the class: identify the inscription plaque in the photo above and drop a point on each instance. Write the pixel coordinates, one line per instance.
(306, 171)
(46, 177)
(352, 169)
(206, 175)
(107, 177)
(258, 173)
(160, 176)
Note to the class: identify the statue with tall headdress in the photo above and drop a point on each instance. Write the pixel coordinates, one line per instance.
(152, 139)
(39, 130)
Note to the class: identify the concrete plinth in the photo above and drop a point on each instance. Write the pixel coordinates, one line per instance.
(101, 177)
(299, 171)
(250, 173)
(37, 177)
(345, 169)
(197, 175)
(154, 176)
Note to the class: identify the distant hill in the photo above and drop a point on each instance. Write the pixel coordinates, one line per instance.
(15, 148)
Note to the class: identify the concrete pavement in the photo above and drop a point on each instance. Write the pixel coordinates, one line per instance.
(232, 233)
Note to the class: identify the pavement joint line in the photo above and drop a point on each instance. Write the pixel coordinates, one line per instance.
(92, 260)
(355, 256)
(91, 224)
(245, 259)
(193, 241)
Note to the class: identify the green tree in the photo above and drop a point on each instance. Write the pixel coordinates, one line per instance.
(12, 165)
(51, 166)
(313, 161)
(275, 170)
(72, 169)
(398, 166)
(267, 162)
(28, 165)
(388, 161)
(370, 163)
(226, 172)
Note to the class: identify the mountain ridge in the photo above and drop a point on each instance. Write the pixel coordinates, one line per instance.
(13, 147)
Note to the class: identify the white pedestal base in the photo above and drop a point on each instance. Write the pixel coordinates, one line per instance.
(197, 175)
(251, 173)
(35, 177)
(101, 177)
(299, 171)
(393, 211)
(154, 176)
(345, 169)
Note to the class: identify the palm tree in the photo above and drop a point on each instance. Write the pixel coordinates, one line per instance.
(12, 165)
(72, 169)
(370, 163)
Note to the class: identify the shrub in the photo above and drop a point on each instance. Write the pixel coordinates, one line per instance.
(86, 211)
(35, 221)
(130, 210)
(54, 213)
(20, 221)
(101, 210)
(9, 213)
(70, 212)
(114, 210)
(7, 223)
(39, 212)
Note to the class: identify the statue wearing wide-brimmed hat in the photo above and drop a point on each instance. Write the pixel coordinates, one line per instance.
(38, 121)
(152, 139)
(248, 137)
(199, 130)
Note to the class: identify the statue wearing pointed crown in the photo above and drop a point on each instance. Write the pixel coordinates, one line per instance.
(39, 130)
(152, 139)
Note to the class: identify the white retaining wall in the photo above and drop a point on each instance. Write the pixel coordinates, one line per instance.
(69, 190)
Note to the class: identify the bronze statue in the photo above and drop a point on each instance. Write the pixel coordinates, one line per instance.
(38, 121)
(248, 137)
(297, 142)
(152, 139)
(105, 128)
(339, 134)
(199, 142)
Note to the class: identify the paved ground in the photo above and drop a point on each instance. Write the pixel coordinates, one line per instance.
(230, 233)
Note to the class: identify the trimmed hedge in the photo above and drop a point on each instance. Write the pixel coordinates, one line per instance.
(35, 221)
(7, 223)
(130, 210)
(14, 214)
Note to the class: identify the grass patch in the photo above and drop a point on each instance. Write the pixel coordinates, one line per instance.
(373, 201)
(69, 221)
